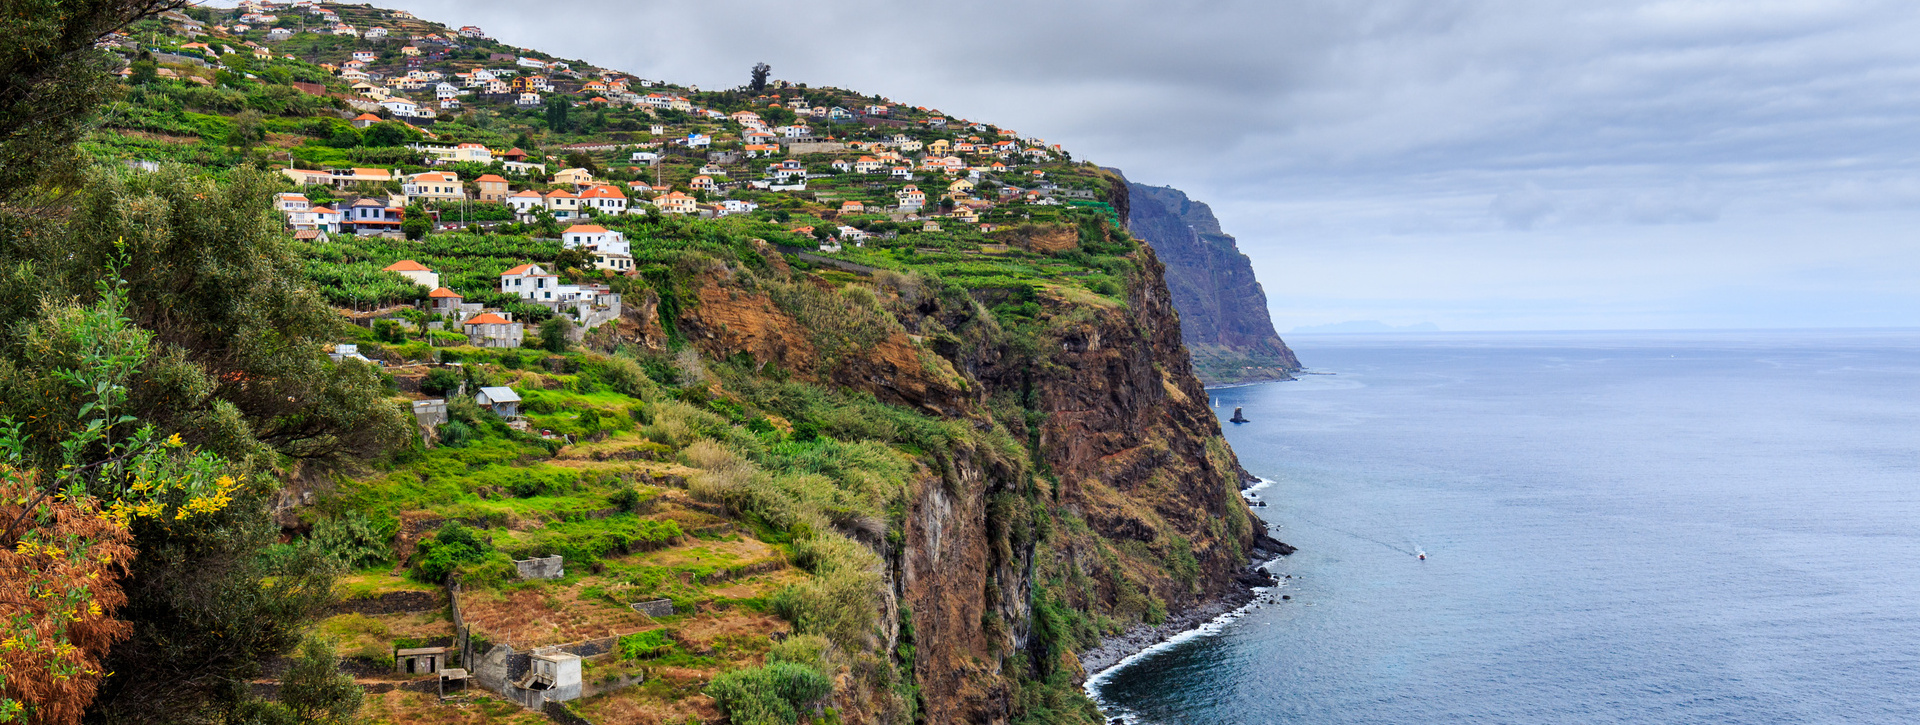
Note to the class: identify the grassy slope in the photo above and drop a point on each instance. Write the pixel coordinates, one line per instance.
(749, 479)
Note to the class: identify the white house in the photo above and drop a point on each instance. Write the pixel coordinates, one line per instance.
(433, 186)
(531, 282)
(375, 33)
(525, 202)
(910, 198)
(617, 261)
(604, 199)
(290, 202)
(401, 107)
(595, 238)
(415, 271)
(279, 34)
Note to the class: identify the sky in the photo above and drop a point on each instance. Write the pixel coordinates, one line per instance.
(1477, 164)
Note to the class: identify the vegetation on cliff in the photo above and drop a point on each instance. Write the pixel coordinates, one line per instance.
(903, 481)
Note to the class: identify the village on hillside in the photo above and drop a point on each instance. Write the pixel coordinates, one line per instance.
(482, 214)
(445, 130)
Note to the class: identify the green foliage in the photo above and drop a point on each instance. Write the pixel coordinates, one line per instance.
(645, 645)
(627, 499)
(454, 545)
(553, 333)
(51, 79)
(354, 540)
(316, 691)
(771, 695)
(207, 272)
(415, 227)
(440, 381)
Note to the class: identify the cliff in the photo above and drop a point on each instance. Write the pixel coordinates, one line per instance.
(1223, 309)
(1095, 494)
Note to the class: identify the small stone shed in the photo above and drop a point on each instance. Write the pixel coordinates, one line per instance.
(420, 660)
(551, 567)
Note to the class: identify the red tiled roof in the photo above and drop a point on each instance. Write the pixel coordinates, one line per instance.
(407, 265)
(522, 269)
(444, 292)
(488, 318)
(586, 229)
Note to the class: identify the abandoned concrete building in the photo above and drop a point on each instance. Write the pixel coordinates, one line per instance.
(551, 567)
(420, 660)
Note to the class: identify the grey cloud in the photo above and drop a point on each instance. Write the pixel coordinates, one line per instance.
(1368, 118)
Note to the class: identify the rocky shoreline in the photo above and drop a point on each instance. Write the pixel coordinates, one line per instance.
(1114, 649)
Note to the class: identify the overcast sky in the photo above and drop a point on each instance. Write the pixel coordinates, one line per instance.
(1530, 164)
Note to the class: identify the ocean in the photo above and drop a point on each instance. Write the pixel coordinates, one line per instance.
(1630, 527)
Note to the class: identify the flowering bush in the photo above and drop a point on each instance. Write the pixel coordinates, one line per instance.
(64, 531)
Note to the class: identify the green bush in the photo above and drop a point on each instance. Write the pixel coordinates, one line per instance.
(770, 695)
(354, 540)
(440, 381)
(455, 434)
(453, 546)
(648, 644)
(626, 499)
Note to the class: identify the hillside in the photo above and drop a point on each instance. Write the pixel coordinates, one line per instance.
(832, 408)
(1223, 308)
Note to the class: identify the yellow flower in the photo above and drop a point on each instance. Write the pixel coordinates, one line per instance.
(173, 441)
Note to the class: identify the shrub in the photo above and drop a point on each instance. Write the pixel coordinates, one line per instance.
(775, 693)
(440, 381)
(626, 499)
(455, 434)
(353, 540)
(453, 546)
(648, 644)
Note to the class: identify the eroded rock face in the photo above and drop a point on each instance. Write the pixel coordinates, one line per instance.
(1131, 467)
(1223, 308)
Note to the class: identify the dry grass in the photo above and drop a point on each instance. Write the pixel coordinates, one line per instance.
(548, 615)
(478, 708)
(671, 697)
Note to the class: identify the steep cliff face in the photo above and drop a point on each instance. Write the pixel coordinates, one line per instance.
(1223, 309)
(1090, 489)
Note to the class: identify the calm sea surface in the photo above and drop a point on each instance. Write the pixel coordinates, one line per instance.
(1700, 527)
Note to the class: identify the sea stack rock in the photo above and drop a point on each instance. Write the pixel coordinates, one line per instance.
(1237, 417)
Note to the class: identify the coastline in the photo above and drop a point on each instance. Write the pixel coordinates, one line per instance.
(1255, 586)
(1117, 650)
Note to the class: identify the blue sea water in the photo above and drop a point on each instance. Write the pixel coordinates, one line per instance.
(1686, 527)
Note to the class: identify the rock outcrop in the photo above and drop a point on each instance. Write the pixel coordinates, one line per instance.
(1223, 309)
(1095, 489)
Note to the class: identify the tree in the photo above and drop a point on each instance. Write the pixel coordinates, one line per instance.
(580, 160)
(52, 78)
(144, 72)
(316, 690)
(759, 82)
(416, 226)
(387, 133)
(558, 112)
(440, 381)
(247, 130)
(553, 333)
